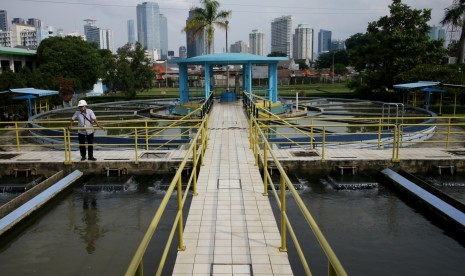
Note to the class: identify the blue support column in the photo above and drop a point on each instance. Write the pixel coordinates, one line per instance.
(248, 77)
(273, 82)
(183, 84)
(207, 80)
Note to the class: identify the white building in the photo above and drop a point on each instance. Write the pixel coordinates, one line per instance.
(240, 47)
(256, 42)
(281, 35)
(303, 42)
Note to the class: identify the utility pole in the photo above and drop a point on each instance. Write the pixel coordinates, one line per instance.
(333, 67)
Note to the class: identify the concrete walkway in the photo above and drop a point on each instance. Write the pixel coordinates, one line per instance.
(230, 227)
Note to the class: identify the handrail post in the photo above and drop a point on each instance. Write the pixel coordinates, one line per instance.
(65, 147)
(448, 132)
(323, 144)
(194, 167)
(265, 170)
(283, 247)
(256, 146)
(146, 136)
(18, 146)
(181, 246)
(136, 145)
(311, 134)
(379, 133)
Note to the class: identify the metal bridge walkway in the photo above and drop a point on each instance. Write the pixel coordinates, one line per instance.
(230, 228)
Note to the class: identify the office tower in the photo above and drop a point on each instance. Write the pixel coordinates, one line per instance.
(163, 36)
(338, 44)
(196, 46)
(256, 40)
(148, 25)
(3, 20)
(303, 42)
(18, 20)
(281, 35)
(182, 52)
(239, 47)
(102, 37)
(436, 33)
(131, 32)
(34, 22)
(324, 41)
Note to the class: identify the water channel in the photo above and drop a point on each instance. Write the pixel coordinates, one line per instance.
(372, 231)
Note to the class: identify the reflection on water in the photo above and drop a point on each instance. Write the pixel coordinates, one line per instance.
(373, 232)
(90, 233)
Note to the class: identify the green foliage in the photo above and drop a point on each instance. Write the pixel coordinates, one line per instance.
(276, 54)
(205, 19)
(70, 57)
(325, 60)
(394, 44)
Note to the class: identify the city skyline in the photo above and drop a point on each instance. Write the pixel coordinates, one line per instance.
(343, 19)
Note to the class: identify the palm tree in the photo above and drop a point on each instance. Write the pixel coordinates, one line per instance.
(205, 18)
(455, 15)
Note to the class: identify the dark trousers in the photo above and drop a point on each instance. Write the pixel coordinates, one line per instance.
(90, 143)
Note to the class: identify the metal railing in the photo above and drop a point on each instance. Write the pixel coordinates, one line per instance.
(262, 150)
(196, 153)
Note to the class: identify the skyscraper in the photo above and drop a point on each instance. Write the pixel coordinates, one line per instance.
(131, 32)
(256, 40)
(436, 33)
(3, 20)
(163, 36)
(102, 37)
(303, 42)
(34, 22)
(239, 47)
(324, 41)
(148, 25)
(281, 35)
(196, 46)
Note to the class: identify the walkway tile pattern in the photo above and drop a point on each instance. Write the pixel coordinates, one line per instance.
(230, 228)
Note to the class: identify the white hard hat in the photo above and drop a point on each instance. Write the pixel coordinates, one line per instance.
(82, 103)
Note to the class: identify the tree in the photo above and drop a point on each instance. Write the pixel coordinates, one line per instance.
(205, 19)
(455, 15)
(395, 43)
(139, 65)
(325, 60)
(70, 57)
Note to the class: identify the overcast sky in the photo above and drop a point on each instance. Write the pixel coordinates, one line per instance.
(343, 18)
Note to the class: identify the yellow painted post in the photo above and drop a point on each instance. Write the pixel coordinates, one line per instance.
(311, 134)
(65, 146)
(146, 136)
(323, 142)
(137, 145)
(256, 147)
(181, 246)
(18, 146)
(250, 127)
(283, 247)
(379, 132)
(69, 147)
(448, 132)
(265, 170)
(194, 167)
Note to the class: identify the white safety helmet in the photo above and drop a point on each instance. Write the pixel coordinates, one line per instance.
(82, 103)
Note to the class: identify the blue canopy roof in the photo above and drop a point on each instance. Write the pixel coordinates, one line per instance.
(35, 92)
(228, 58)
(414, 85)
(431, 89)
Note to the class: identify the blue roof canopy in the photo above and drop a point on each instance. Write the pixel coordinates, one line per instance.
(35, 92)
(228, 58)
(413, 85)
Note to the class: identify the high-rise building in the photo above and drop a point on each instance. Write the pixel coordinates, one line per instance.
(182, 52)
(324, 41)
(338, 44)
(131, 32)
(196, 46)
(303, 42)
(4, 20)
(436, 33)
(163, 36)
(239, 47)
(281, 35)
(34, 22)
(148, 25)
(102, 37)
(256, 42)
(18, 20)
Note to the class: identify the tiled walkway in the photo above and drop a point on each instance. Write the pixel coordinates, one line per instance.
(230, 227)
